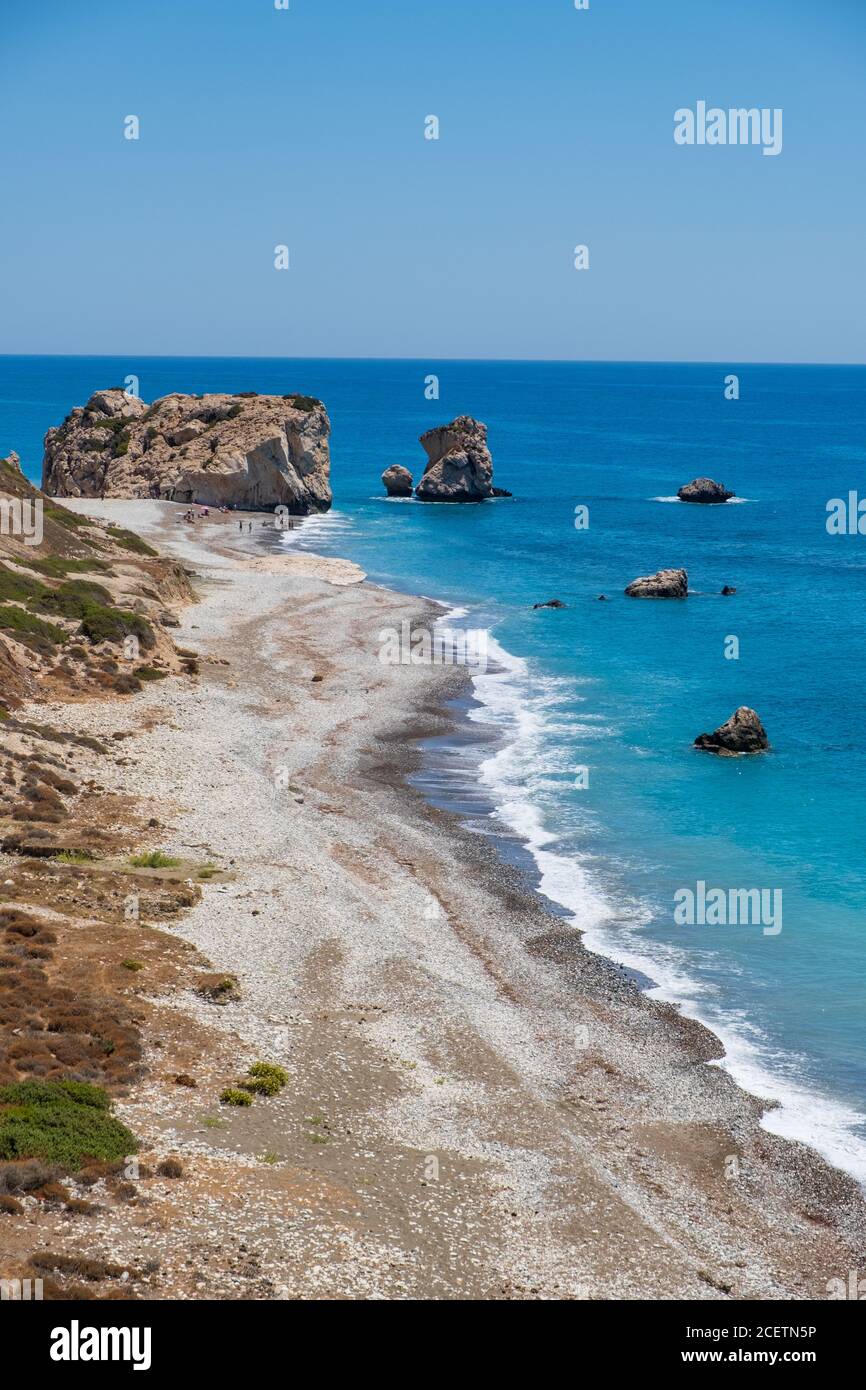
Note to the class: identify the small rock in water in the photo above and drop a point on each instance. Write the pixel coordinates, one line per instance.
(398, 481)
(728, 590)
(551, 603)
(742, 733)
(662, 584)
(704, 490)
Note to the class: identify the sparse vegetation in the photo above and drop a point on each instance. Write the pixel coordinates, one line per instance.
(169, 1168)
(82, 1265)
(67, 518)
(133, 965)
(58, 567)
(305, 403)
(150, 673)
(220, 989)
(130, 541)
(153, 859)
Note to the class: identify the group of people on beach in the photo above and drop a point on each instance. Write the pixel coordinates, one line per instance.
(192, 515)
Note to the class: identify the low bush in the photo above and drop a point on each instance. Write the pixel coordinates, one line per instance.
(234, 1095)
(153, 859)
(60, 1122)
(265, 1078)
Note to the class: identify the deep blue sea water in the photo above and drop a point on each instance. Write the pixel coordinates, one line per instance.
(623, 687)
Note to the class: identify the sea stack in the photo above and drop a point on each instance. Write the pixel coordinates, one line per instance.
(704, 490)
(398, 481)
(662, 584)
(459, 467)
(742, 733)
(245, 450)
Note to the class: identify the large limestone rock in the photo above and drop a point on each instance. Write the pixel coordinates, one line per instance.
(245, 451)
(398, 481)
(704, 490)
(662, 584)
(459, 466)
(742, 733)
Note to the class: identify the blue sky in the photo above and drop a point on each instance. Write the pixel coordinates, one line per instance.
(306, 127)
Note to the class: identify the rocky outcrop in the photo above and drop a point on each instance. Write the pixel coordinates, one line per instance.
(398, 481)
(727, 590)
(551, 603)
(704, 490)
(246, 450)
(742, 733)
(459, 466)
(662, 584)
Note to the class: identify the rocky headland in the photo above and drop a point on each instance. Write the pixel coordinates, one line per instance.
(246, 450)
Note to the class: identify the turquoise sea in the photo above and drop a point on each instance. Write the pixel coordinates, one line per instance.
(622, 688)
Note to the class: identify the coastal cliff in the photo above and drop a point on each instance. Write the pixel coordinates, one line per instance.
(245, 450)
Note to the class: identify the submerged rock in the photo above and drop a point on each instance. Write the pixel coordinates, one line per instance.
(459, 466)
(704, 490)
(245, 450)
(398, 481)
(742, 733)
(551, 603)
(662, 584)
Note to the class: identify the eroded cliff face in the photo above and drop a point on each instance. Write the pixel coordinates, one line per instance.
(248, 451)
(86, 607)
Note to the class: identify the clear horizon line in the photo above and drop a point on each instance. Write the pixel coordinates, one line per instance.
(550, 361)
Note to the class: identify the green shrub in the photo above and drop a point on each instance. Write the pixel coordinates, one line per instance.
(57, 566)
(74, 598)
(18, 620)
(150, 673)
(61, 1122)
(233, 1095)
(21, 588)
(130, 541)
(154, 859)
(102, 624)
(133, 965)
(305, 403)
(67, 518)
(273, 1077)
